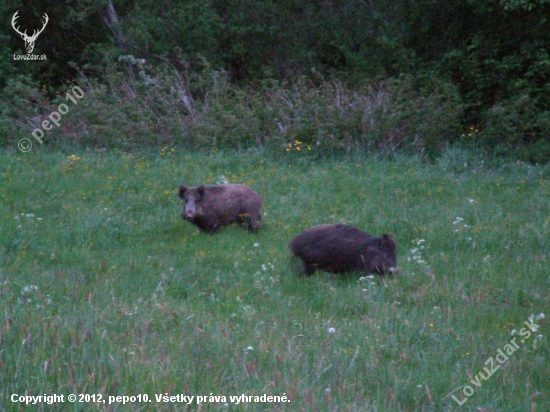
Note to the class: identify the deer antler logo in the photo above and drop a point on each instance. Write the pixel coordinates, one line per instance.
(29, 40)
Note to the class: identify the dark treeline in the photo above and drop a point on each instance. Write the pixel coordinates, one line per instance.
(493, 54)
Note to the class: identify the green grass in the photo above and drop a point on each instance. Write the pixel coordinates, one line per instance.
(130, 299)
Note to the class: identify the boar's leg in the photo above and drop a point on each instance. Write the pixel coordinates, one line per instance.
(308, 269)
(254, 223)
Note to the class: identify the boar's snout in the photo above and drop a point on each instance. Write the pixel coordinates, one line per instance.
(189, 211)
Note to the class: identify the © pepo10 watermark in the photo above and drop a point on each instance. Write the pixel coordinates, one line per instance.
(25, 144)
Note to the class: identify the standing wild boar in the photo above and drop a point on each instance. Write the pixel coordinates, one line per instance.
(341, 248)
(211, 207)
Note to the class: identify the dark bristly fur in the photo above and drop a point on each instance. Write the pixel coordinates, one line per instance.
(211, 207)
(342, 248)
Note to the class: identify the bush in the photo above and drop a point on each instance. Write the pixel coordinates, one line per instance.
(135, 107)
(518, 126)
(20, 109)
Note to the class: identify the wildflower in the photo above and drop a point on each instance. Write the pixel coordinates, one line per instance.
(331, 330)
(537, 341)
(458, 220)
(513, 332)
(249, 348)
(222, 180)
(29, 288)
(471, 201)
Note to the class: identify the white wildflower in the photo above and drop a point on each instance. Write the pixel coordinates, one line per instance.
(28, 289)
(222, 180)
(537, 342)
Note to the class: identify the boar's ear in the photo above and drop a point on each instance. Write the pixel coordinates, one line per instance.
(200, 192)
(181, 191)
(388, 242)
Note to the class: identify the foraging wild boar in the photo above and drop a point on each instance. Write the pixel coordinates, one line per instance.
(341, 248)
(211, 207)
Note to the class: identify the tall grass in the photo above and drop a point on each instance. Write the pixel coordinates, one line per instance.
(105, 290)
(135, 105)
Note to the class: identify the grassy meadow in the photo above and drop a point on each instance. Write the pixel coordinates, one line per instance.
(104, 289)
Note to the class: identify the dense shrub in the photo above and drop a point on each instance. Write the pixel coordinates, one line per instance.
(135, 107)
(518, 125)
(494, 52)
(20, 109)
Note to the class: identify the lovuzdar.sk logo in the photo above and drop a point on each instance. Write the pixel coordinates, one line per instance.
(29, 40)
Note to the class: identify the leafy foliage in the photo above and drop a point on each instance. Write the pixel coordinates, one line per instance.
(495, 52)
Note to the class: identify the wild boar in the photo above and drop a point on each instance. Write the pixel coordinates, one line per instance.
(212, 207)
(341, 248)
